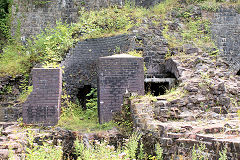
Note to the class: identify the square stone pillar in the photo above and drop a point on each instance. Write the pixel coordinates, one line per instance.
(43, 104)
(118, 74)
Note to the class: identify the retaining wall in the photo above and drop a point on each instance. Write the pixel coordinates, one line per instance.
(178, 137)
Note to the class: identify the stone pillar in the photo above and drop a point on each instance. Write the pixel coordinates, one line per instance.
(43, 104)
(118, 74)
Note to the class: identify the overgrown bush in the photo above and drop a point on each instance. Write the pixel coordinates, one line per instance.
(5, 14)
(51, 45)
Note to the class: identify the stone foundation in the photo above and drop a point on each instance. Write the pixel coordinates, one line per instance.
(178, 137)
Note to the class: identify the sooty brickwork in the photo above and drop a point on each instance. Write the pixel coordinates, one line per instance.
(80, 65)
(226, 32)
(43, 104)
(118, 74)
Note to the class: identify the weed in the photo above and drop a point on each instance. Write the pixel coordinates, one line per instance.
(198, 152)
(163, 7)
(159, 152)
(132, 145)
(40, 152)
(25, 93)
(141, 154)
(223, 155)
(73, 117)
(238, 113)
(210, 5)
(124, 120)
(5, 16)
(174, 93)
(102, 150)
(136, 53)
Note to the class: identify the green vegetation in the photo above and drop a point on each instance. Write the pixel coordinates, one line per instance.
(135, 53)
(102, 150)
(73, 117)
(50, 46)
(39, 152)
(238, 113)
(174, 93)
(198, 152)
(223, 155)
(124, 120)
(159, 152)
(196, 32)
(47, 47)
(5, 15)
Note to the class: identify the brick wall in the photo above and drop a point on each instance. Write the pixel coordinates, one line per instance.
(43, 104)
(226, 31)
(80, 65)
(117, 74)
(35, 15)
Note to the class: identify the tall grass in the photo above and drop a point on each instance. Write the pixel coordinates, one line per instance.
(73, 117)
(102, 150)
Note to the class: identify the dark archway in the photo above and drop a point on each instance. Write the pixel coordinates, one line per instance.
(238, 73)
(156, 89)
(82, 95)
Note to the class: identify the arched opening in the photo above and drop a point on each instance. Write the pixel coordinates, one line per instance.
(82, 96)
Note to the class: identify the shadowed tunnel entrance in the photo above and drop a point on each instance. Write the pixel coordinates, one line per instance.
(82, 96)
(156, 89)
(158, 86)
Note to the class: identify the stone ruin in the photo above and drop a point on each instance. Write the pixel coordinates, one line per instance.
(117, 74)
(81, 63)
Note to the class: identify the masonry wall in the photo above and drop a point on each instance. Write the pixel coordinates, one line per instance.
(43, 104)
(32, 16)
(226, 31)
(175, 140)
(80, 65)
(118, 74)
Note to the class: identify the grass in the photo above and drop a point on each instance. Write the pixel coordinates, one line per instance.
(14, 61)
(102, 150)
(174, 93)
(78, 120)
(50, 47)
(74, 118)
